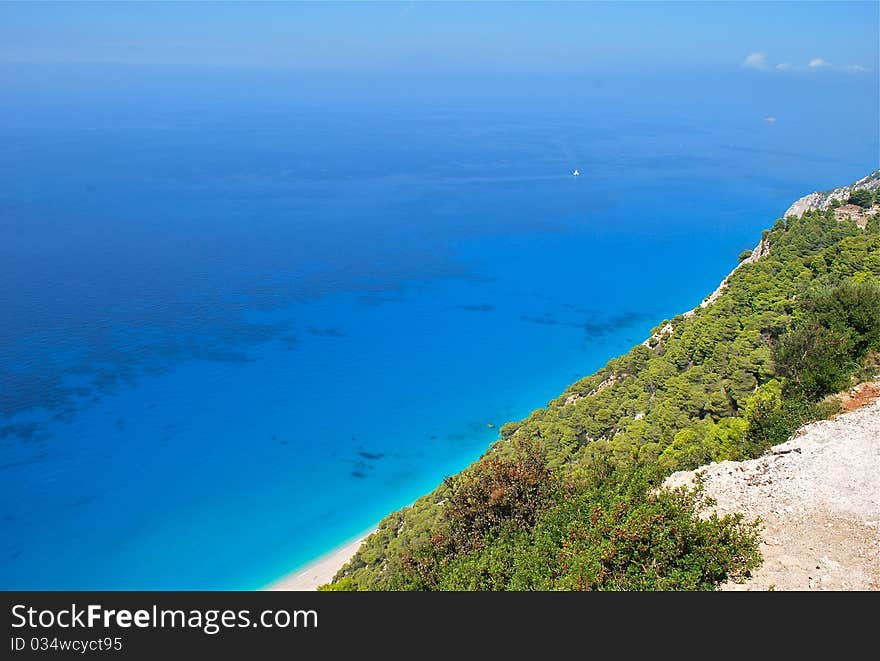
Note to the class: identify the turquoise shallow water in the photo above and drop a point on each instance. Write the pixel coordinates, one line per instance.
(237, 330)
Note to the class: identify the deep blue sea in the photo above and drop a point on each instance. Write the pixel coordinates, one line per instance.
(245, 315)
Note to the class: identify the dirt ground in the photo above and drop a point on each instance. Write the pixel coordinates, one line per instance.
(818, 496)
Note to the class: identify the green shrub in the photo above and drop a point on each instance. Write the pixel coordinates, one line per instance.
(614, 532)
(772, 418)
(497, 491)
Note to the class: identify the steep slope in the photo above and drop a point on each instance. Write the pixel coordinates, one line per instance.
(795, 321)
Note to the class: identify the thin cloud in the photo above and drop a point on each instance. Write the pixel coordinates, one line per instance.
(755, 61)
(158, 45)
(759, 61)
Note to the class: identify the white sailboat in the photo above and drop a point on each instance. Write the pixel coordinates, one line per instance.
(576, 173)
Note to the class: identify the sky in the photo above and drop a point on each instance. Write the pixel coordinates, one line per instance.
(781, 39)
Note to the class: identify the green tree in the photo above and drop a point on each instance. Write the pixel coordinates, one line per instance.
(815, 360)
(863, 197)
(852, 308)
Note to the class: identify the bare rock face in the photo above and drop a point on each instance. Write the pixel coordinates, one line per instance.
(807, 202)
(821, 200)
(761, 250)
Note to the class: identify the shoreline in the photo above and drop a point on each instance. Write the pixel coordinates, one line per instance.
(320, 570)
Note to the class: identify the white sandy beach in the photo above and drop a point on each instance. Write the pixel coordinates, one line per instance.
(321, 570)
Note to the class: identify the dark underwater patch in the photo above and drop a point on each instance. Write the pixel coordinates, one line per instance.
(376, 299)
(24, 462)
(40, 387)
(84, 500)
(547, 319)
(372, 456)
(25, 432)
(482, 307)
(106, 359)
(226, 356)
(594, 325)
(327, 332)
(599, 327)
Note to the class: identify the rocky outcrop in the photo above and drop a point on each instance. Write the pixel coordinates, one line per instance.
(855, 213)
(821, 200)
(606, 383)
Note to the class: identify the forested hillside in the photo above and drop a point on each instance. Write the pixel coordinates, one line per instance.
(568, 498)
